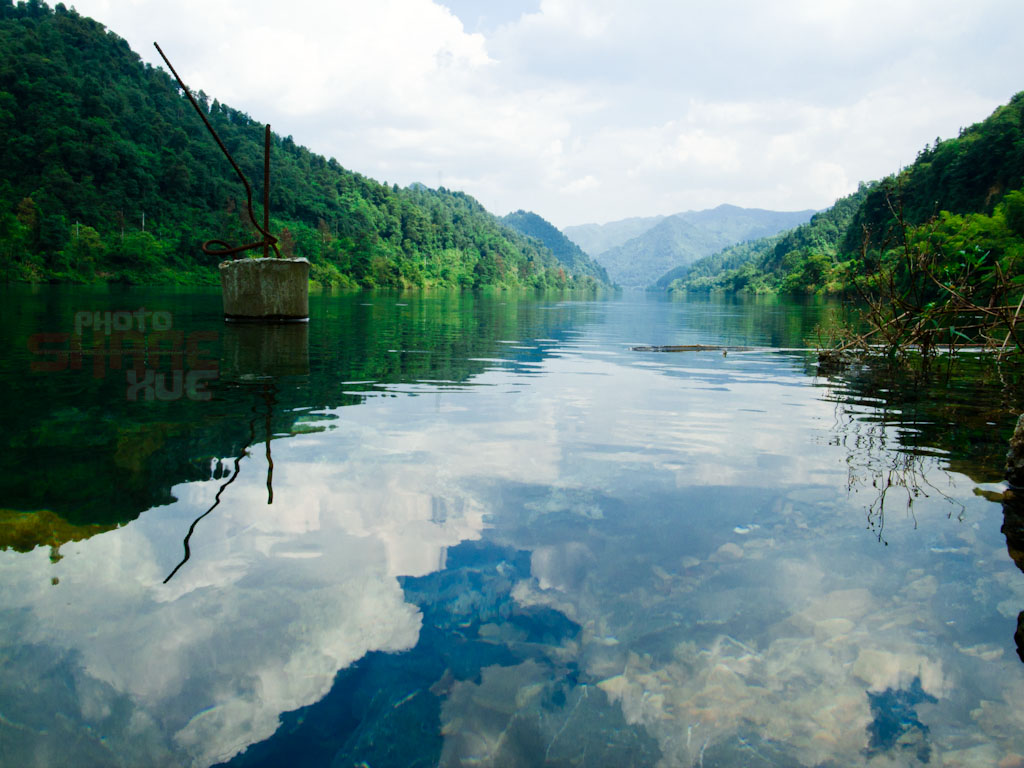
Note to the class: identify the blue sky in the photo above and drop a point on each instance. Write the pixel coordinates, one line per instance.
(596, 110)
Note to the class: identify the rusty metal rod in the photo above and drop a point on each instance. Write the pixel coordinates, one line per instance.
(266, 189)
(268, 241)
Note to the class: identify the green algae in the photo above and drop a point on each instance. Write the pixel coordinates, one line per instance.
(24, 531)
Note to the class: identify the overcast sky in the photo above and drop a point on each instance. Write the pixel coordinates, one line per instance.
(596, 110)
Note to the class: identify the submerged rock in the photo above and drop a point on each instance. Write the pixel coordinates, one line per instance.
(1015, 456)
(488, 682)
(519, 716)
(1013, 514)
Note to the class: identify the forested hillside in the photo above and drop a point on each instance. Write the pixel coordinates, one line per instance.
(107, 173)
(958, 203)
(564, 249)
(714, 265)
(793, 261)
(968, 174)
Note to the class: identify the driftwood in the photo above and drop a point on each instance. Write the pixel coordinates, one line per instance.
(689, 348)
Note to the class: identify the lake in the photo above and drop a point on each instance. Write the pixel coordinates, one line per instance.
(482, 529)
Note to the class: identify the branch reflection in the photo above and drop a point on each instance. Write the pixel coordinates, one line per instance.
(890, 421)
(882, 460)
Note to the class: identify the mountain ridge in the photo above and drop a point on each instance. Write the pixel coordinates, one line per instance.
(597, 238)
(683, 238)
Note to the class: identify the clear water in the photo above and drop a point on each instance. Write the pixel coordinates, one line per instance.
(463, 529)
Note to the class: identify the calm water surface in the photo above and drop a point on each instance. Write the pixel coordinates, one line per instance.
(457, 529)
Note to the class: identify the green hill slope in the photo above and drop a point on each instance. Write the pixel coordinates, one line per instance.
(968, 174)
(108, 174)
(797, 255)
(564, 249)
(957, 194)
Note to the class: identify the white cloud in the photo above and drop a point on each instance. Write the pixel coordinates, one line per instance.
(579, 185)
(765, 96)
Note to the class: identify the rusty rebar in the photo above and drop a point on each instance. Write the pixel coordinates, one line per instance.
(268, 241)
(266, 189)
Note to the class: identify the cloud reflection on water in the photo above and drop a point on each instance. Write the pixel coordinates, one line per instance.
(627, 488)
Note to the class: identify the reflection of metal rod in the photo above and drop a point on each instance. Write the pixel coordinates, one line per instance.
(238, 467)
(269, 392)
(268, 398)
(268, 241)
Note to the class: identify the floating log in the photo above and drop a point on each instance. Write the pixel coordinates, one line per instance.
(687, 348)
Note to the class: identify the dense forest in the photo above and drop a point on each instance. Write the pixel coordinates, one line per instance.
(957, 208)
(564, 249)
(107, 174)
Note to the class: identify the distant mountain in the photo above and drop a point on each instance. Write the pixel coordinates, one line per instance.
(598, 238)
(681, 239)
(565, 250)
(961, 196)
(730, 258)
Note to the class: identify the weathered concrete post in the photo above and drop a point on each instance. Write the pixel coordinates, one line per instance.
(265, 289)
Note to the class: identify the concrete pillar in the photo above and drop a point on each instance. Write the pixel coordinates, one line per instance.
(265, 289)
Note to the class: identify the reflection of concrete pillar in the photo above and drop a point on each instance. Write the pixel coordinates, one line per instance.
(265, 289)
(265, 349)
(1013, 514)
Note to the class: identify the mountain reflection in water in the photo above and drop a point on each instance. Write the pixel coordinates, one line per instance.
(499, 536)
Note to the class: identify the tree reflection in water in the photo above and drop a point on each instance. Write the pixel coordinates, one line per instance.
(891, 420)
(881, 460)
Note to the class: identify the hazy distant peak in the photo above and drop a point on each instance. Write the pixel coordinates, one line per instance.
(682, 238)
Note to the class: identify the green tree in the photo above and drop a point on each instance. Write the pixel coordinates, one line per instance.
(84, 252)
(1013, 206)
